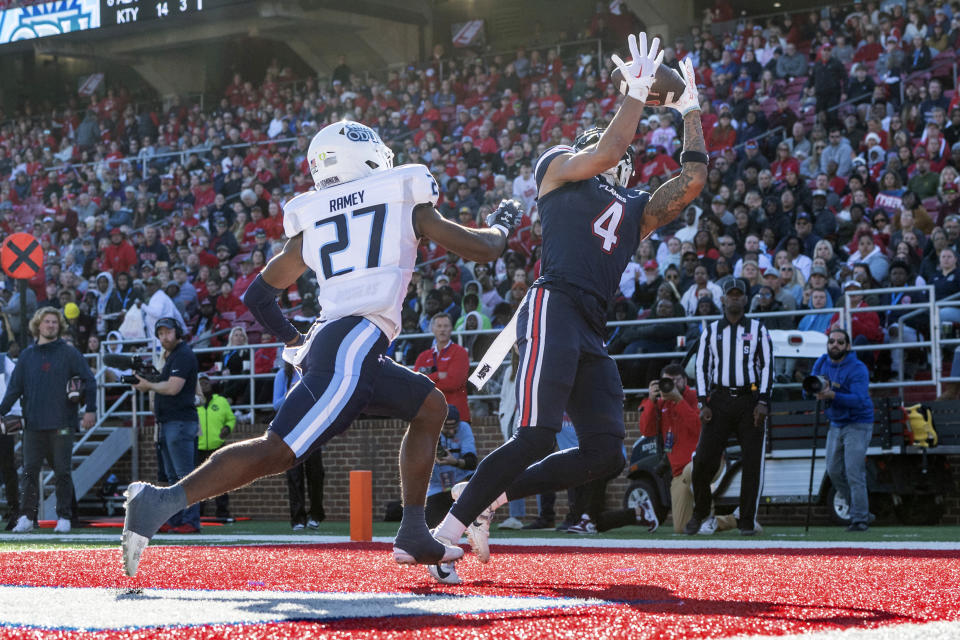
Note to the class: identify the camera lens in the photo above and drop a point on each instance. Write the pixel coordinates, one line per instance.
(666, 385)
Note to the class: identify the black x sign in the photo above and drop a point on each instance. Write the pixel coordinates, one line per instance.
(23, 257)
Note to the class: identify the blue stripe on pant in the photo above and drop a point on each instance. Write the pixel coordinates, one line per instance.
(339, 375)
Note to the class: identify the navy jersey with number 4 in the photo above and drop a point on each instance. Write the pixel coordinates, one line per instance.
(591, 229)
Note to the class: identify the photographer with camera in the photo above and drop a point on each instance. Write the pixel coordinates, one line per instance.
(447, 364)
(841, 380)
(670, 411)
(455, 462)
(45, 375)
(176, 414)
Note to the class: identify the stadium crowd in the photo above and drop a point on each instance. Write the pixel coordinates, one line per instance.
(834, 139)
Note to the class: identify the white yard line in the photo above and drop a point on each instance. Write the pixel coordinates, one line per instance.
(925, 631)
(573, 542)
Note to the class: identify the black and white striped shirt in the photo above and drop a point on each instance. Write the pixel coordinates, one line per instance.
(735, 356)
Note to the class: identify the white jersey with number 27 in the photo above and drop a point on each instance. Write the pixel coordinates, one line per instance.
(358, 237)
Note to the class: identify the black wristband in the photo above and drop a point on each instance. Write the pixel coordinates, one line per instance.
(694, 156)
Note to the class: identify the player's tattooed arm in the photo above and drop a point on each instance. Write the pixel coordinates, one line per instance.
(674, 195)
(481, 245)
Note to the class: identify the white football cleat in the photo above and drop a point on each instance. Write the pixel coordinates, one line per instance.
(63, 526)
(709, 527)
(647, 515)
(24, 524)
(445, 573)
(133, 545)
(478, 532)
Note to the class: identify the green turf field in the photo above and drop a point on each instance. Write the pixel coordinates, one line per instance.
(98, 537)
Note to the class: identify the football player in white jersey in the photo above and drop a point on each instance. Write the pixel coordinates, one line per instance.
(359, 232)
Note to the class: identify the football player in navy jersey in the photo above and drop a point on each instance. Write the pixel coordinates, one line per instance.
(592, 225)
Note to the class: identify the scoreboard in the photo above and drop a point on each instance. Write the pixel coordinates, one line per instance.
(73, 16)
(114, 12)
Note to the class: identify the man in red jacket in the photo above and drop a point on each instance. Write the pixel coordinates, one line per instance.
(865, 325)
(447, 364)
(677, 417)
(120, 255)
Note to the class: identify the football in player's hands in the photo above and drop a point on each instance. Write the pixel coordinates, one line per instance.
(666, 82)
(507, 216)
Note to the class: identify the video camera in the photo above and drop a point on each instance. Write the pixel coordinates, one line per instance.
(815, 384)
(139, 366)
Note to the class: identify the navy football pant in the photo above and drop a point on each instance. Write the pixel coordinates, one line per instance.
(563, 365)
(346, 372)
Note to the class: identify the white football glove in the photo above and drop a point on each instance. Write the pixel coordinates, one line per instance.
(639, 74)
(689, 100)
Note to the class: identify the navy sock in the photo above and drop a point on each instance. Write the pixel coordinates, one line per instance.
(414, 536)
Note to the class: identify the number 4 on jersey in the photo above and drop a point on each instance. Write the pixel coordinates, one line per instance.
(606, 225)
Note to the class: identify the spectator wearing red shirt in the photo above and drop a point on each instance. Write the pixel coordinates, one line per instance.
(784, 162)
(652, 164)
(256, 222)
(865, 325)
(119, 255)
(723, 135)
(273, 223)
(227, 301)
(447, 364)
(246, 277)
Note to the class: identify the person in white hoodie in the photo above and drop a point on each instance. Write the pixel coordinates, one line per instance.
(159, 305)
(109, 304)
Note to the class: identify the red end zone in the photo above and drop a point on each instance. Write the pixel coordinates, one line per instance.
(356, 591)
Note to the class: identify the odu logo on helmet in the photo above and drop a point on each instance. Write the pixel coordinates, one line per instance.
(359, 133)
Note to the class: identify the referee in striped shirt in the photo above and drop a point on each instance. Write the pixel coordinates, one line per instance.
(734, 373)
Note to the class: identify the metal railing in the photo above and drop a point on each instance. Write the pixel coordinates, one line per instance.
(934, 344)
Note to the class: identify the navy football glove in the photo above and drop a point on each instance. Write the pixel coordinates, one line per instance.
(506, 217)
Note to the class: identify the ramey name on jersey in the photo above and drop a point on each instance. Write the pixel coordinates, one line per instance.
(591, 229)
(359, 239)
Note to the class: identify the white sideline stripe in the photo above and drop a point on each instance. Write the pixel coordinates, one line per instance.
(91, 609)
(638, 544)
(941, 630)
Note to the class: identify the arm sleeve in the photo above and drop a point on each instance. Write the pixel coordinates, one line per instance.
(231, 419)
(648, 418)
(687, 418)
(765, 364)
(423, 186)
(90, 383)
(857, 385)
(261, 299)
(703, 364)
(457, 371)
(279, 389)
(14, 388)
(467, 443)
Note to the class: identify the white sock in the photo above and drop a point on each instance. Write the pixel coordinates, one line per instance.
(450, 529)
(499, 502)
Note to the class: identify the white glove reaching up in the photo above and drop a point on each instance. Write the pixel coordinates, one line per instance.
(638, 76)
(689, 100)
